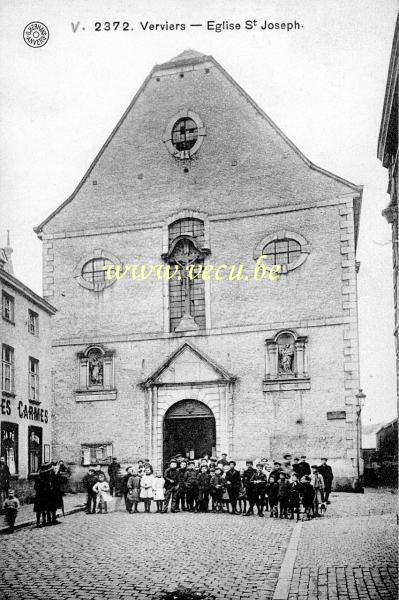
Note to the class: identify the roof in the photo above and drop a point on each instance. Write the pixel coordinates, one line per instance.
(23, 289)
(390, 424)
(369, 435)
(186, 56)
(185, 59)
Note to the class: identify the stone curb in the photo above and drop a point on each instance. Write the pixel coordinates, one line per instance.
(29, 522)
(287, 568)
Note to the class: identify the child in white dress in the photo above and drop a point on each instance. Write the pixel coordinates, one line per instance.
(146, 491)
(158, 489)
(102, 490)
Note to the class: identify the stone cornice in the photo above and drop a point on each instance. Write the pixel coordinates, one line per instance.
(266, 328)
(141, 225)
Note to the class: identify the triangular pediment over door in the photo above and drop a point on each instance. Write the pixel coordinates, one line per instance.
(188, 365)
(188, 376)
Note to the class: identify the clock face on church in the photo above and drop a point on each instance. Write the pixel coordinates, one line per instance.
(184, 134)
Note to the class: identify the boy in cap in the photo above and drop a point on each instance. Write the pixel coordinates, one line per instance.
(217, 487)
(307, 497)
(294, 496)
(88, 481)
(124, 488)
(246, 479)
(258, 481)
(204, 486)
(190, 482)
(283, 495)
(272, 493)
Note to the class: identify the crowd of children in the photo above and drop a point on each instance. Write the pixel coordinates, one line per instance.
(285, 489)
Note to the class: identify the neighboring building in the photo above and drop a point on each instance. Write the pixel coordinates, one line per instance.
(371, 460)
(388, 154)
(387, 448)
(26, 377)
(195, 173)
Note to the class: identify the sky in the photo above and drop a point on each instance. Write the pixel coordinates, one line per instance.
(323, 85)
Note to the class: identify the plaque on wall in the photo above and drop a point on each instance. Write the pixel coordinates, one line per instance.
(336, 414)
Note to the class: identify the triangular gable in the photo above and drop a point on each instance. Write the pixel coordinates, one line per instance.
(193, 58)
(188, 365)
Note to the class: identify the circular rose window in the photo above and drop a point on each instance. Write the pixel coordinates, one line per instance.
(93, 272)
(184, 134)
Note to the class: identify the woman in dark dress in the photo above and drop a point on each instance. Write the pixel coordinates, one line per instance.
(42, 503)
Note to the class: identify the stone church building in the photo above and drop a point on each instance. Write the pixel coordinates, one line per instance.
(196, 174)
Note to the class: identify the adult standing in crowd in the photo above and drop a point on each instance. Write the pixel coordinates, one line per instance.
(171, 487)
(64, 473)
(113, 474)
(48, 496)
(326, 472)
(296, 467)
(223, 460)
(318, 485)
(233, 483)
(4, 479)
(304, 467)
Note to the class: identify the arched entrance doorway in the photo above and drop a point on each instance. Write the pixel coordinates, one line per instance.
(189, 428)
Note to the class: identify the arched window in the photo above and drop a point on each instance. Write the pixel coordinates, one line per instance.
(186, 288)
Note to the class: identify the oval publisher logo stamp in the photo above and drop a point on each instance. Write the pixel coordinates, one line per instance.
(36, 34)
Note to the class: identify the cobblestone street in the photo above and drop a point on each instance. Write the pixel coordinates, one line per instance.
(350, 553)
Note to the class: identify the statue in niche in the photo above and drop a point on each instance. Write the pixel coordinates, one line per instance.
(96, 368)
(286, 358)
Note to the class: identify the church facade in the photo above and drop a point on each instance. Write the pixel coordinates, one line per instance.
(197, 179)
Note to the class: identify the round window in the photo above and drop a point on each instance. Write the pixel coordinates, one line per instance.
(184, 134)
(93, 271)
(282, 252)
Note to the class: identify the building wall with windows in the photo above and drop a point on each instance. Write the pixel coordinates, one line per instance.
(26, 392)
(388, 141)
(196, 175)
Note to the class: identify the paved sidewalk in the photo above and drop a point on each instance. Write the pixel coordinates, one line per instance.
(72, 503)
